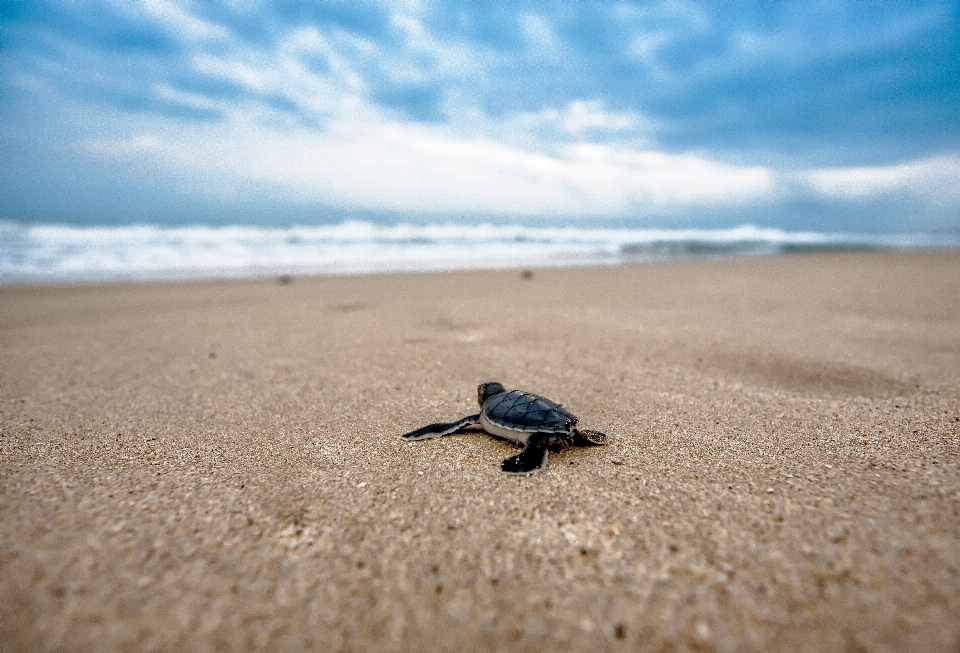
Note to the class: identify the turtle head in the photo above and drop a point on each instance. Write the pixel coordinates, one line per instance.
(487, 390)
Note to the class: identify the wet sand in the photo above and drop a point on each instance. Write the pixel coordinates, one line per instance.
(216, 465)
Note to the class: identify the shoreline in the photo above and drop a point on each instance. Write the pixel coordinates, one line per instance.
(287, 275)
(217, 463)
(43, 253)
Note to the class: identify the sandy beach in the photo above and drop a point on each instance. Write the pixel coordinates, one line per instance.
(217, 465)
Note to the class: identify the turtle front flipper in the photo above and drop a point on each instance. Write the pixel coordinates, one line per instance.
(441, 428)
(532, 459)
(587, 438)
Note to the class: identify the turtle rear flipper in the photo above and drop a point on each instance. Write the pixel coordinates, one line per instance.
(532, 459)
(587, 438)
(442, 428)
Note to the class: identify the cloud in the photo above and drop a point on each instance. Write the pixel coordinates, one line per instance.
(583, 115)
(935, 180)
(416, 168)
(510, 108)
(122, 149)
(767, 82)
(543, 41)
(182, 22)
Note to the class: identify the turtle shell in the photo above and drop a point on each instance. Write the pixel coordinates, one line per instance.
(528, 412)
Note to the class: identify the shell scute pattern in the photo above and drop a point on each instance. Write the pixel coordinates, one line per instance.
(528, 411)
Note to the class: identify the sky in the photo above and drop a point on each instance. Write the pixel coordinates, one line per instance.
(801, 115)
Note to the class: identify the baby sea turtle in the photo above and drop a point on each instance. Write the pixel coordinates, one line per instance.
(522, 417)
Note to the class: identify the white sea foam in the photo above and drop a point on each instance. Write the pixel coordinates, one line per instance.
(62, 253)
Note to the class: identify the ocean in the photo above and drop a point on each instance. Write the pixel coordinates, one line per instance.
(57, 253)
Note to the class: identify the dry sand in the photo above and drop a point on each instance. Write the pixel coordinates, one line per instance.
(216, 465)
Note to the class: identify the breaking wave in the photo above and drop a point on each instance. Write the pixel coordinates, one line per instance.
(51, 253)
